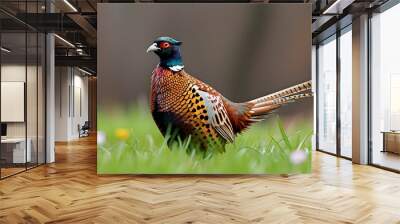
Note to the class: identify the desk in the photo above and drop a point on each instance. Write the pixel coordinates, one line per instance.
(391, 141)
(15, 148)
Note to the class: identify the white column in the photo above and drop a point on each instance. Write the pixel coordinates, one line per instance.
(314, 90)
(50, 98)
(50, 92)
(360, 90)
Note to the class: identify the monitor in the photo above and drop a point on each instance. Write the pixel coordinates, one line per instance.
(3, 129)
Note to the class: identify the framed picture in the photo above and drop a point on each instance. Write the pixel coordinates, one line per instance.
(204, 89)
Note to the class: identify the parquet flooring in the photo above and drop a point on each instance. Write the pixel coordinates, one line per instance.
(69, 191)
(10, 171)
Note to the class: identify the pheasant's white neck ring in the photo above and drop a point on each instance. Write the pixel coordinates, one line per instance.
(176, 68)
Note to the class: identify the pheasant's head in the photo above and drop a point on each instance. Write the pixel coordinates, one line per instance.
(167, 49)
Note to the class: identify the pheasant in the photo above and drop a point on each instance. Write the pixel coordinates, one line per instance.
(186, 106)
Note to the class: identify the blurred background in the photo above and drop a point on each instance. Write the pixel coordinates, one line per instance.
(243, 50)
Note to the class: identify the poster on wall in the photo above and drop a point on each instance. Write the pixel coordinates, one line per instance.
(204, 89)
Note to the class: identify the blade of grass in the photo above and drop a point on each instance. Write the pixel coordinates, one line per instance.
(284, 135)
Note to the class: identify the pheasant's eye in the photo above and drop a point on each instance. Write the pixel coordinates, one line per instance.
(164, 45)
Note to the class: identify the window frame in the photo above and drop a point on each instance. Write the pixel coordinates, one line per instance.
(337, 34)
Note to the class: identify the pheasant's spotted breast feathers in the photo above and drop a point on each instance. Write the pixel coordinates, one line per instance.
(179, 93)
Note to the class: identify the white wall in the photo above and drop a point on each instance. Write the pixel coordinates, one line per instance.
(33, 126)
(80, 111)
(17, 73)
(62, 82)
(71, 102)
(12, 73)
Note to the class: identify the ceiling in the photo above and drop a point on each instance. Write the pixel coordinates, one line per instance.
(76, 21)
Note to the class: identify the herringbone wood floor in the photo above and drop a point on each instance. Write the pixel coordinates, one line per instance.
(69, 191)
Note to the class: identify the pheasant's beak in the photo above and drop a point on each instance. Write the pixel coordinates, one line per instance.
(153, 47)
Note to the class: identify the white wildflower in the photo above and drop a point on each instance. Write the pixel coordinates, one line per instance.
(101, 137)
(298, 157)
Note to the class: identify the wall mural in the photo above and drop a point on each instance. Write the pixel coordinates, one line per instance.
(221, 89)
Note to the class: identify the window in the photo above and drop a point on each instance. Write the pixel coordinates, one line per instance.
(335, 74)
(385, 89)
(327, 95)
(346, 92)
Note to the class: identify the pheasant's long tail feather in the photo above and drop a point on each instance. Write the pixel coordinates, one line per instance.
(265, 105)
(302, 87)
(242, 115)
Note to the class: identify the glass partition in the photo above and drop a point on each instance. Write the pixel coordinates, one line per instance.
(22, 91)
(14, 153)
(31, 99)
(41, 107)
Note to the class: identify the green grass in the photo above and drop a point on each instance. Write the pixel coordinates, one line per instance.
(265, 148)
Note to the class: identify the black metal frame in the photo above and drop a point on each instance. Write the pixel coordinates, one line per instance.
(369, 83)
(338, 153)
(44, 79)
(338, 98)
(0, 89)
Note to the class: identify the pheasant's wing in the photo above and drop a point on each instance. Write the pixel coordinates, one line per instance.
(218, 115)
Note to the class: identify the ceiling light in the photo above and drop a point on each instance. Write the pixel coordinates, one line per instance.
(5, 50)
(65, 41)
(79, 51)
(338, 6)
(70, 5)
(84, 71)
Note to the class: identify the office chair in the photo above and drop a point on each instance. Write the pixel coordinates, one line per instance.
(84, 130)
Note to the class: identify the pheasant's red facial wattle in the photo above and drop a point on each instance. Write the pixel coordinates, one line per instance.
(164, 45)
